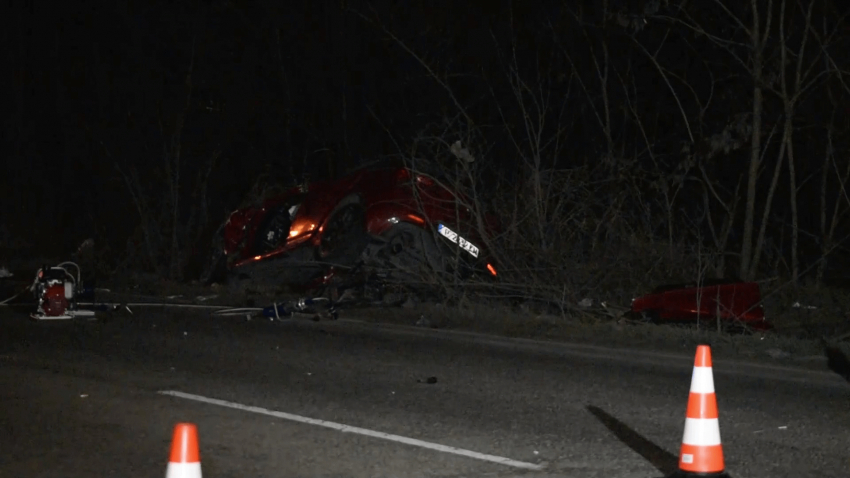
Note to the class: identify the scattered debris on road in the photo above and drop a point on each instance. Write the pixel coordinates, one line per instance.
(798, 305)
(423, 322)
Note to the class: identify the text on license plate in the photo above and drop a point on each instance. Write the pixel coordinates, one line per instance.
(454, 237)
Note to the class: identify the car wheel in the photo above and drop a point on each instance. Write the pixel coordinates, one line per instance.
(344, 236)
(411, 252)
(274, 231)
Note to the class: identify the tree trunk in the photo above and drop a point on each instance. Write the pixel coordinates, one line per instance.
(747, 272)
(828, 232)
(774, 182)
(792, 194)
(176, 149)
(823, 182)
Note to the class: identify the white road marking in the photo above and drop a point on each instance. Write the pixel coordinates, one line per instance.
(360, 431)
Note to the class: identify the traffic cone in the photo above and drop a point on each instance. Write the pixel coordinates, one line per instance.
(702, 453)
(185, 461)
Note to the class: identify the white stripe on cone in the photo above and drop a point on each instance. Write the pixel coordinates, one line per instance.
(183, 470)
(702, 380)
(701, 432)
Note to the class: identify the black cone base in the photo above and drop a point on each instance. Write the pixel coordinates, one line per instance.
(687, 474)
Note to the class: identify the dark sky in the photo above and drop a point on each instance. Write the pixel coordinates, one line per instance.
(91, 86)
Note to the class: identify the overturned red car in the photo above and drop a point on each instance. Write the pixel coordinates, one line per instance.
(390, 220)
(737, 304)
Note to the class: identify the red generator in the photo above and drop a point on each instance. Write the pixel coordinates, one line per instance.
(55, 289)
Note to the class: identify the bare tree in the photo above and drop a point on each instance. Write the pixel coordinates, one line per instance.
(729, 207)
(747, 46)
(795, 81)
(170, 194)
(833, 155)
(757, 34)
(171, 154)
(829, 222)
(790, 99)
(758, 38)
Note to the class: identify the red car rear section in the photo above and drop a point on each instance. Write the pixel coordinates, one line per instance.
(307, 225)
(735, 303)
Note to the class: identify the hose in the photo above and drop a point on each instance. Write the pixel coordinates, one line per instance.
(5, 302)
(69, 263)
(127, 306)
(170, 304)
(237, 311)
(275, 312)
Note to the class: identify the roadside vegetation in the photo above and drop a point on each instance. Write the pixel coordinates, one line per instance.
(618, 147)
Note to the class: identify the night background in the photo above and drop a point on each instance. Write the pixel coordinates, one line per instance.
(651, 178)
(615, 140)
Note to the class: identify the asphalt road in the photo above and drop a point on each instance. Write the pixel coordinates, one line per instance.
(340, 399)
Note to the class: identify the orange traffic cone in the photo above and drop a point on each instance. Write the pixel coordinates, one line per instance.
(185, 461)
(702, 452)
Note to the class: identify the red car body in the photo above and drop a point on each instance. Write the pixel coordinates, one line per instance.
(386, 198)
(736, 303)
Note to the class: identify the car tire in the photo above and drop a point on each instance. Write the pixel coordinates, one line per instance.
(344, 235)
(409, 252)
(274, 230)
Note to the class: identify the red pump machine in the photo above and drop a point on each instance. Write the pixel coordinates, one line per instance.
(56, 290)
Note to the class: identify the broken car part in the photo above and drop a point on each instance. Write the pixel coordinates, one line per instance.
(736, 304)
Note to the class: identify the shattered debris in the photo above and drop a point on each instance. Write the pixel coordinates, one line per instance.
(797, 305)
(777, 353)
(461, 153)
(424, 322)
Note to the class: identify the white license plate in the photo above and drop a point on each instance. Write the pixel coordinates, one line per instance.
(455, 238)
